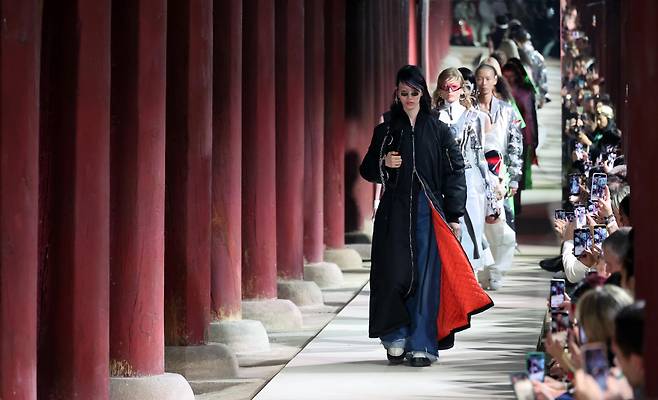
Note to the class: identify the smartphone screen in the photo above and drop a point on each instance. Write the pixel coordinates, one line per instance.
(599, 181)
(570, 215)
(580, 214)
(600, 234)
(595, 360)
(560, 214)
(557, 292)
(535, 366)
(522, 386)
(574, 184)
(581, 241)
(559, 325)
(592, 208)
(579, 149)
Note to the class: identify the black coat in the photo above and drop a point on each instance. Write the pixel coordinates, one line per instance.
(440, 176)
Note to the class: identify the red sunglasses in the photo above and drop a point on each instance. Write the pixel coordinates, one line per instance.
(453, 87)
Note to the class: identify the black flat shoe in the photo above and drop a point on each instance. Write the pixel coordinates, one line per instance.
(419, 362)
(395, 360)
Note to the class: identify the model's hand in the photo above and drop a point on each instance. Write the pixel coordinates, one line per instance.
(456, 229)
(393, 159)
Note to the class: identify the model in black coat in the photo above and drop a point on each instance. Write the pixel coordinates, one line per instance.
(439, 175)
(416, 309)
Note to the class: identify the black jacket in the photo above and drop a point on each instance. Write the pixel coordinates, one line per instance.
(439, 175)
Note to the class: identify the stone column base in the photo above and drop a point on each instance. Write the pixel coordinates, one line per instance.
(364, 250)
(277, 315)
(324, 274)
(203, 362)
(241, 336)
(345, 258)
(155, 387)
(302, 293)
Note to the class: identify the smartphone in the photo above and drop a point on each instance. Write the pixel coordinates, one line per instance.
(595, 360)
(560, 215)
(600, 234)
(535, 365)
(570, 215)
(587, 165)
(557, 292)
(559, 325)
(574, 184)
(581, 241)
(579, 150)
(522, 386)
(611, 158)
(580, 214)
(599, 182)
(592, 207)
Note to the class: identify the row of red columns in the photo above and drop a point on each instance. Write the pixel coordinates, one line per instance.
(170, 164)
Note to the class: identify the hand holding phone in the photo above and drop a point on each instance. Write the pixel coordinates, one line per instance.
(557, 292)
(600, 234)
(580, 214)
(599, 181)
(522, 386)
(574, 184)
(582, 240)
(559, 326)
(560, 214)
(535, 364)
(595, 360)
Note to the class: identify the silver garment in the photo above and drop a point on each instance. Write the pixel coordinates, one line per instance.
(535, 61)
(506, 137)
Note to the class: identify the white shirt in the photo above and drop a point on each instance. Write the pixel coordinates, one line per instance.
(574, 270)
(451, 112)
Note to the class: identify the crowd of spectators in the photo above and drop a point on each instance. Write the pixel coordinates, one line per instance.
(593, 338)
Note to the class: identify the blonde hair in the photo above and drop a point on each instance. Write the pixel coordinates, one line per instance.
(597, 309)
(449, 74)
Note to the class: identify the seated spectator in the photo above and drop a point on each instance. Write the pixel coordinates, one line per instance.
(575, 268)
(615, 247)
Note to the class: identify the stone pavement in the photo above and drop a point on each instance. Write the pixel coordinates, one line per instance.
(341, 362)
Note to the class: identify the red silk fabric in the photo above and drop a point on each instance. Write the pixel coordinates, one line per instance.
(461, 294)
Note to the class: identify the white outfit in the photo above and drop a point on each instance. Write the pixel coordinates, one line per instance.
(574, 270)
(506, 139)
(467, 127)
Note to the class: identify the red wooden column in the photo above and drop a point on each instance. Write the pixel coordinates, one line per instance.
(290, 138)
(75, 201)
(438, 41)
(137, 187)
(314, 127)
(20, 43)
(258, 154)
(188, 171)
(226, 251)
(642, 79)
(334, 126)
(359, 193)
(412, 42)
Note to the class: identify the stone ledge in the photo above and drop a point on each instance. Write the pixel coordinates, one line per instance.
(209, 361)
(241, 336)
(155, 387)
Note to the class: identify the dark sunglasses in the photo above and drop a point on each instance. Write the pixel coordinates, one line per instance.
(412, 94)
